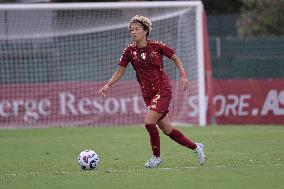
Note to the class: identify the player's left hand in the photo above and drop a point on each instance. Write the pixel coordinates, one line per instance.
(184, 83)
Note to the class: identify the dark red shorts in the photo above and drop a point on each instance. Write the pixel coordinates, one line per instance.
(159, 102)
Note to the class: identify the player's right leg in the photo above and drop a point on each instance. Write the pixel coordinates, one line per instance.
(150, 124)
(153, 162)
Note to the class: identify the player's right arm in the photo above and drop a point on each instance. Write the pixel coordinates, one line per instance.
(122, 64)
(115, 77)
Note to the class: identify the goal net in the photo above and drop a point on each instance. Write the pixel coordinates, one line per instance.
(55, 57)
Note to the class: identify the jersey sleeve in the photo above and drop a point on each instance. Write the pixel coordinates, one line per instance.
(124, 59)
(166, 50)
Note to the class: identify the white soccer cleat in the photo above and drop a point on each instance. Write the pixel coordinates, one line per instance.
(153, 162)
(200, 154)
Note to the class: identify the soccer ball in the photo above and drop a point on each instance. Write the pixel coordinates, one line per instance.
(88, 160)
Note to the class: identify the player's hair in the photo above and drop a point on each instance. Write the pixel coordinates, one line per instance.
(145, 21)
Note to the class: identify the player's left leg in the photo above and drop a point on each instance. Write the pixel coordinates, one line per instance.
(166, 126)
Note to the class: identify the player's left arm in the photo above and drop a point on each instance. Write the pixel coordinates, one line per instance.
(183, 79)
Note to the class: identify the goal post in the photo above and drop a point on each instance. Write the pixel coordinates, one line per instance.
(54, 58)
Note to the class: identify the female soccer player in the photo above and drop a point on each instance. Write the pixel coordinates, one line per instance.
(146, 58)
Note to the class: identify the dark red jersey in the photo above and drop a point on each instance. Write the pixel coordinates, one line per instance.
(148, 64)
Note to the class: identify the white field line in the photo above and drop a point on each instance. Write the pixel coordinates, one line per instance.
(31, 173)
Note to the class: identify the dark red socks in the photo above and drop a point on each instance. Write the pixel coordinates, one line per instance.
(154, 138)
(178, 137)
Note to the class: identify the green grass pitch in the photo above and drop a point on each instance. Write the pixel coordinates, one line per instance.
(241, 157)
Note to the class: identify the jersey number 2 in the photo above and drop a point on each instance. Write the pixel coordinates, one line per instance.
(157, 97)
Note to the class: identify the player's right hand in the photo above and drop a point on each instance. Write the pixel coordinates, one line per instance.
(103, 90)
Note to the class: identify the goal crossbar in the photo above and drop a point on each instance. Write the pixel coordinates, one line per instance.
(99, 5)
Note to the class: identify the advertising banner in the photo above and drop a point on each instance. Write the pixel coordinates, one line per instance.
(77, 103)
(249, 101)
